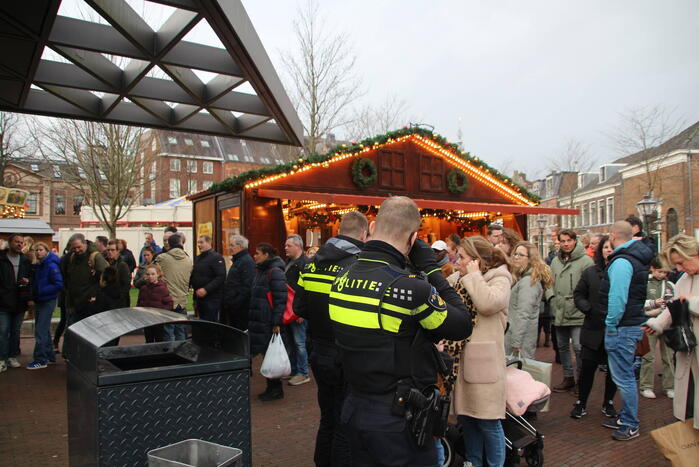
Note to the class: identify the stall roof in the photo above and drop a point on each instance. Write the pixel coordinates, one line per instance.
(25, 226)
(244, 99)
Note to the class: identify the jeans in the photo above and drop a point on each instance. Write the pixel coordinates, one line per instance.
(621, 347)
(299, 364)
(10, 327)
(565, 334)
(43, 346)
(480, 435)
(176, 332)
(208, 309)
(332, 444)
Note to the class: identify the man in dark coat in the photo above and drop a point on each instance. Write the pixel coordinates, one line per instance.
(236, 291)
(208, 275)
(15, 293)
(81, 275)
(296, 264)
(639, 234)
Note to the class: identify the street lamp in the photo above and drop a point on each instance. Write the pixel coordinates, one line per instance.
(541, 220)
(647, 207)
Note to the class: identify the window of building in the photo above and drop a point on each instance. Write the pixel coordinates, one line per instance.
(593, 212)
(234, 157)
(174, 165)
(32, 202)
(249, 159)
(610, 210)
(578, 217)
(188, 142)
(192, 167)
(35, 167)
(206, 184)
(243, 143)
(56, 171)
(153, 145)
(205, 144)
(174, 188)
(59, 207)
(191, 186)
(152, 190)
(172, 140)
(207, 167)
(585, 218)
(672, 224)
(602, 211)
(77, 204)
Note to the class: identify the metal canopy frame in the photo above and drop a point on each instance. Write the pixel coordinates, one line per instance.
(90, 86)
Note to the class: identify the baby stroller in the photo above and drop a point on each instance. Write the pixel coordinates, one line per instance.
(522, 439)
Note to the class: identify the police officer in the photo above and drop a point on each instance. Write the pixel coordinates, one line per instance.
(311, 302)
(386, 321)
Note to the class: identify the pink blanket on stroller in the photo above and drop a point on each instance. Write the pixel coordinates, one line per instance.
(522, 390)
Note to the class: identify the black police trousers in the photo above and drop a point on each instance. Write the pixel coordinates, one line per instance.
(332, 444)
(379, 438)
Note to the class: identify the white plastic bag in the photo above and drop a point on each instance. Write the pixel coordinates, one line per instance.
(276, 363)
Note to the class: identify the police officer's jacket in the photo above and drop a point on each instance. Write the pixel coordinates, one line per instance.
(311, 299)
(397, 344)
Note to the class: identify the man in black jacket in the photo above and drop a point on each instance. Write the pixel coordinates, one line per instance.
(208, 275)
(236, 291)
(15, 293)
(294, 266)
(115, 259)
(311, 303)
(639, 234)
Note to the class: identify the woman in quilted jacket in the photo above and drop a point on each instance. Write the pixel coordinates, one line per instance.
(48, 283)
(267, 304)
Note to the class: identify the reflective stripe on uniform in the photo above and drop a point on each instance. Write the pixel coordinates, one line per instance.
(315, 286)
(363, 319)
(433, 320)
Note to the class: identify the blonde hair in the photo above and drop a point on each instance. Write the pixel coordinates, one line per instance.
(540, 271)
(684, 245)
(157, 270)
(398, 218)
(43, 245)
(481, 249)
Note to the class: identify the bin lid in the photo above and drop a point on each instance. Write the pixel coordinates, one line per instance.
(103, 327)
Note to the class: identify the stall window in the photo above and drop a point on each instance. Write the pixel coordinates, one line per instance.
(32, 203)
(392, 169)
(230, 224)
(59, 207)
(431, 173)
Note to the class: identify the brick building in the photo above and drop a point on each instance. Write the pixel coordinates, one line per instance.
(50, 198)
(187, 163)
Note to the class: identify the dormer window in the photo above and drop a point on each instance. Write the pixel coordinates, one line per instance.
(205, 144)
(56, 171)
(172, 140)
(188, 142)
(35, 167)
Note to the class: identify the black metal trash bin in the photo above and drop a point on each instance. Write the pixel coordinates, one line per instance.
(125, 400)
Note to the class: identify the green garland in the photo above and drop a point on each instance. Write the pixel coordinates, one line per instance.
(236, 183)
(453, 184)
(358, 176)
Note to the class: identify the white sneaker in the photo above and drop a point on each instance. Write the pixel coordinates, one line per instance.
(13, 362)
(3, 366)
(648, 394)
(670, 394)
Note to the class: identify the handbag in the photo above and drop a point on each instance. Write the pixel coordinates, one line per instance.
(678, 442)
(289, 316)
(276, 363)
(680, 335)
(643, 346)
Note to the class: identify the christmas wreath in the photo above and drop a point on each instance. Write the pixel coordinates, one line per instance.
(457, 181)
(364, 172)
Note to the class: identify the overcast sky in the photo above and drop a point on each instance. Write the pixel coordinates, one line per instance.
(523, 76)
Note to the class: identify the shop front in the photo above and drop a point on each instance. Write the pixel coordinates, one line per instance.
(456, 193)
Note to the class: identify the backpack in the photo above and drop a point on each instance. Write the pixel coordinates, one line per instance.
(289, 316)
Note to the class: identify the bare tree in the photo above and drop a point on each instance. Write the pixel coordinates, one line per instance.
(322, 74)
(13, 142)
(640, 131)
(371, 120)
(574, 158)
(103, 162)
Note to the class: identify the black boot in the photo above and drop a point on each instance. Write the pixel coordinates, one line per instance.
(274, 391)
(547, 339)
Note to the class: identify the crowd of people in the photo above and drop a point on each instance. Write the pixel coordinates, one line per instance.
(487, 298)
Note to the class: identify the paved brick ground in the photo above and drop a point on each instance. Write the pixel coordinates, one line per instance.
(33, 427)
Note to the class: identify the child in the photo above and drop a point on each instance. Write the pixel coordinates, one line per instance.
(659, 289)
(154, 293)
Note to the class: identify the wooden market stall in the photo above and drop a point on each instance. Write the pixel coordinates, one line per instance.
(456, 193)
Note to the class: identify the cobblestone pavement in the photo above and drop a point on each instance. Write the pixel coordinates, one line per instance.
(33, 426)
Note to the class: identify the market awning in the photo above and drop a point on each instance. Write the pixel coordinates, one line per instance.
(422, 203)
(121, 70)
(25, 226)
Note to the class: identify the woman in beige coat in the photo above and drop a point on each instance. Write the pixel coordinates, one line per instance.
(483, 274)
(682, 252)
